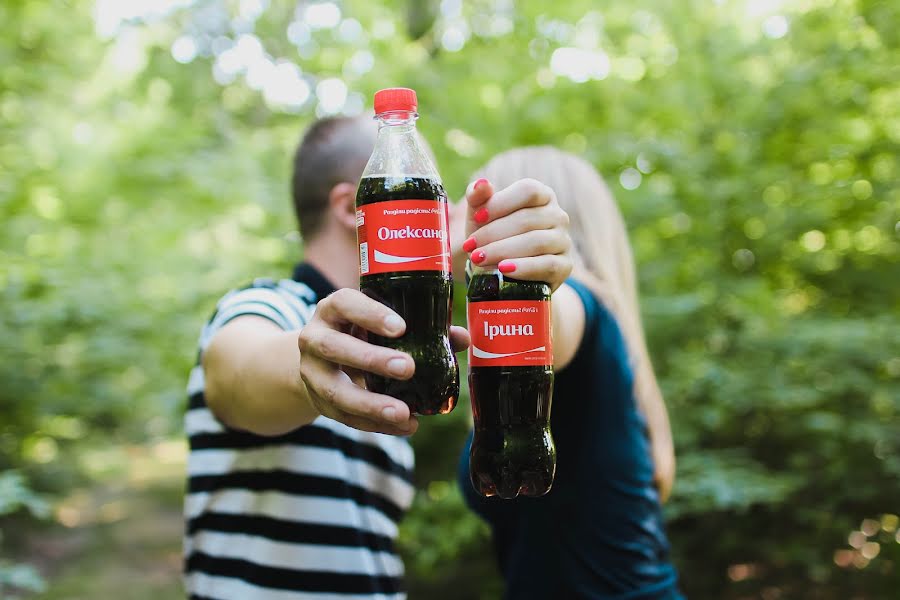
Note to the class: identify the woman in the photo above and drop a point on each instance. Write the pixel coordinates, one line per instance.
(599, 532)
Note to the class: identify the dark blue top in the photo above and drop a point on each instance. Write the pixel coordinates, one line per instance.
(599, 532)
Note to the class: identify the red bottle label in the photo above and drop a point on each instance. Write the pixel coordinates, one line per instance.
(403, 235)
(510, 333)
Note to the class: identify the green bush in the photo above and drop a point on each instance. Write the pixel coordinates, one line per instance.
(755, 158)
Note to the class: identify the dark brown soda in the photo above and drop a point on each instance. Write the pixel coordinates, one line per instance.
(512, 450)
(423, 299)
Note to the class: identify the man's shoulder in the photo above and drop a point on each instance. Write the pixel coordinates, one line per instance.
(287, 303)
(287, 288)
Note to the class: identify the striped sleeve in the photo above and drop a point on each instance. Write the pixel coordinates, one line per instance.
(287, 304)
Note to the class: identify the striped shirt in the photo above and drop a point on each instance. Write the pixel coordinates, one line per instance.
(309, 515)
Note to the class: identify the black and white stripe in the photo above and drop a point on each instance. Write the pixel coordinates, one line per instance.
(309, 515)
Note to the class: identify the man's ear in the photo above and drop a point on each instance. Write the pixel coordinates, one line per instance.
(342, 204)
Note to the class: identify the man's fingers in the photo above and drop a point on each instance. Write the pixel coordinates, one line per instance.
(459, 338)
(344, 349)
(352, 307)
(364, 424)
(356, 376)
(334, 392)
(530, 244)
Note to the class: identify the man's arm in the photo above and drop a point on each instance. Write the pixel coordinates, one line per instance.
(252, 377)
(269, 381)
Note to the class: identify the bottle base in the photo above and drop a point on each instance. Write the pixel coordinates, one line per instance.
(428, 411)
(512, 467)
(532, 485)
(512, 461)
(423, 402)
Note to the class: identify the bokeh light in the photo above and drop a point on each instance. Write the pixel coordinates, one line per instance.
(332, 94)
(630, 178)
(580, 65)
(322, 15)
(775, 27)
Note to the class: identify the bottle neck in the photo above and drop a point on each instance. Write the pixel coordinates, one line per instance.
(398, 151)
(473, 269)
(398, 121)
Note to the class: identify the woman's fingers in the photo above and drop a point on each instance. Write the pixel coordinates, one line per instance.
(547, 216)
(521, 230)
(478, 192)
(524, 193)
(550, 268)
(535, 243)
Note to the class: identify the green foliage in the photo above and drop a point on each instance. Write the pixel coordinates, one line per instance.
(14, 496)
(759, 175)
(19, 577)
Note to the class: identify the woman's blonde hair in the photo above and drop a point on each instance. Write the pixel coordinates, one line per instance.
(603, 262)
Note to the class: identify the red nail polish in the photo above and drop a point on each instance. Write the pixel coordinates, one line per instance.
(506, 266)
(478, 257)
(480, 183)
(481, 215)
(469, 245)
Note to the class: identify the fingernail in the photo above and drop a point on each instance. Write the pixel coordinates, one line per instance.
(397, 366)
(469, 244)
(506, 266)
(481, 215)
(480, 183)
(393, 324)
(389, 413)
(478, 257)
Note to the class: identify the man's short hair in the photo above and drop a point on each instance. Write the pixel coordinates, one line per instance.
(333, 150)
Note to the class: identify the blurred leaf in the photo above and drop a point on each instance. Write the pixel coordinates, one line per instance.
(14, 494)
(19, 577)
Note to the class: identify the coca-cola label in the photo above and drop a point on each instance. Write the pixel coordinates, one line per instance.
(510, 333)
(403, 235)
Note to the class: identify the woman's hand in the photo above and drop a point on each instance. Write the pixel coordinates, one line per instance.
(521, 230)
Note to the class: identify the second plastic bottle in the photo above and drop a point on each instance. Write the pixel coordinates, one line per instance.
(511, 385)
(404, 255)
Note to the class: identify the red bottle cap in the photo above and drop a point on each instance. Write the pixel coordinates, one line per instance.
(392, 99)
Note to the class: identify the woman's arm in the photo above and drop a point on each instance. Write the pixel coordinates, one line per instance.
(568, 325)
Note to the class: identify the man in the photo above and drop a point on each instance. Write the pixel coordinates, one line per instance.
(294, 489)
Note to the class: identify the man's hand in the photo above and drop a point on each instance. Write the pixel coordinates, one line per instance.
(332, 359)
(521, 230)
